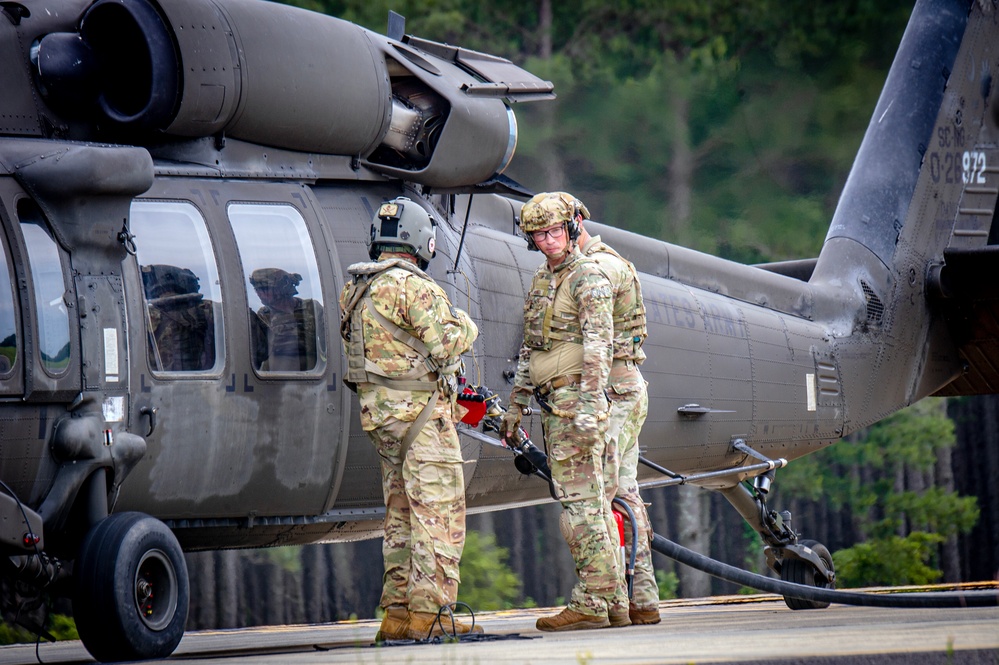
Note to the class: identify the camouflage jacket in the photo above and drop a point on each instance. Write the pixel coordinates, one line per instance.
(590, 295)
(413, 301)
(289, 340)
(182, 333)
(630, 328)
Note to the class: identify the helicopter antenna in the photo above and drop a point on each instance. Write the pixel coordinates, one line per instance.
(396, 26)
(464, 227)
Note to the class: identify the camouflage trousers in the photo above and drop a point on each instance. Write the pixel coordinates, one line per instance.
(576, 461)
(424, 514)
(628, 409)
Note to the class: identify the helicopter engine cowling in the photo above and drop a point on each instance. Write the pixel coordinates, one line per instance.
(278, 76)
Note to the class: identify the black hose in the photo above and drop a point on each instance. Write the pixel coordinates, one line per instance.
(762, 583)
(633, 555)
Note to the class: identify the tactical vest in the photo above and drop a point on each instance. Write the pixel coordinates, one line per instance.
(542, 324)
(360, 370)
(630, 327)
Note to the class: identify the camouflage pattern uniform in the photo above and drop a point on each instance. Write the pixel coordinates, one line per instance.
(568, 331)
(181, 322)
(290, 338)
(423, 487)
(629, 406)
(289, 333)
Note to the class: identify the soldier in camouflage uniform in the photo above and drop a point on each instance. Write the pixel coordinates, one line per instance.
(565, 363)
(181, 322)
(629, 406)
(288, 333)
(403, 341)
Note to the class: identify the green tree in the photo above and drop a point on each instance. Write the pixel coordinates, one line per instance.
(880, 478)
(891, 561)
(487, 583)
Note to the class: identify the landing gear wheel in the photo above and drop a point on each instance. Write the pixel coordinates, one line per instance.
(799, 571)
(131, 590)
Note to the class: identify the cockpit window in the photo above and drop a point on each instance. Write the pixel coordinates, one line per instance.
(8, 321)
(287, 326)
(49, 288)
(180, 282)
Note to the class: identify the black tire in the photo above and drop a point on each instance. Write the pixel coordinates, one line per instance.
(131, 589)
(802, 572)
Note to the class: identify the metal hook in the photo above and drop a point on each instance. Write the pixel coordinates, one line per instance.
(127, 239)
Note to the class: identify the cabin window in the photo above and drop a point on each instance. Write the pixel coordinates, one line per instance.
(8, 318)
(287, 324)
(180, 283)
(49, 288)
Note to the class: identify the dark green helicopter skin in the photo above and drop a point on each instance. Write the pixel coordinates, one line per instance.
(155, 156)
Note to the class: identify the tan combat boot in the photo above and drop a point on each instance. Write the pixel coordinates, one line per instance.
(395, 623)
(619, 616)
(571, 620)
(424, 625)
(643, 617)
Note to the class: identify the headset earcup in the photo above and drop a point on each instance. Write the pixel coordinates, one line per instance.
(572, 228)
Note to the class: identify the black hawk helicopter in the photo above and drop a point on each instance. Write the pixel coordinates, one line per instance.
(163, 164)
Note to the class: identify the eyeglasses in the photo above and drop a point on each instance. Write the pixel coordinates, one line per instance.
(555, 233)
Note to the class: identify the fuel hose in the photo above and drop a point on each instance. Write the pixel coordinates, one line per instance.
(762, 583)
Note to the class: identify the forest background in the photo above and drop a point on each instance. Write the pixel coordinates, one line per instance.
(727, 126)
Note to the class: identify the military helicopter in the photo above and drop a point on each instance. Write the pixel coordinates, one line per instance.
(177, 175)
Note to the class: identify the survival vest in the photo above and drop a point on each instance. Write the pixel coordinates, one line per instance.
(630, 326)
(423, 376)
(542, 324)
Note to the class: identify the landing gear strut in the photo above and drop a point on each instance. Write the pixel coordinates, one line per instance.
(804, 562)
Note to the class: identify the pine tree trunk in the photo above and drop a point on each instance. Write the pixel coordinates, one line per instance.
(346, 574)
(950, 560)
(694, 535)
(681, 171)
(229, 585)
(550, 114)
(315, 583)
(202, 612)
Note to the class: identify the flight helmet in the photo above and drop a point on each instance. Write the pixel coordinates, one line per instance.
(548, 209)
(401, 225)
(280, 282)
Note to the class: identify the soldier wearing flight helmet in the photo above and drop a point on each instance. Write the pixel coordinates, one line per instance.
(629, 407)
(565, 363)
(404, 341)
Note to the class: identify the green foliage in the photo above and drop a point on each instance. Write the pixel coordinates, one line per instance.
(860, 475)
(668, 583)
(751, 111)
(934, 510)
(61, 627)
(891, 561)
(10, 634)
(286, 558)
(10, 353)
(487, 582)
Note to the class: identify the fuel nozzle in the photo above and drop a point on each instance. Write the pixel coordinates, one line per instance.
(491, 399)
(531, 459)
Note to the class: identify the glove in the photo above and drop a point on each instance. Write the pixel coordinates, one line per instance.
(586, 424)
(511, 423)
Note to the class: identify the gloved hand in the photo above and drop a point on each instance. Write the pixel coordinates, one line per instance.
(511, 423)
(587, 424)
